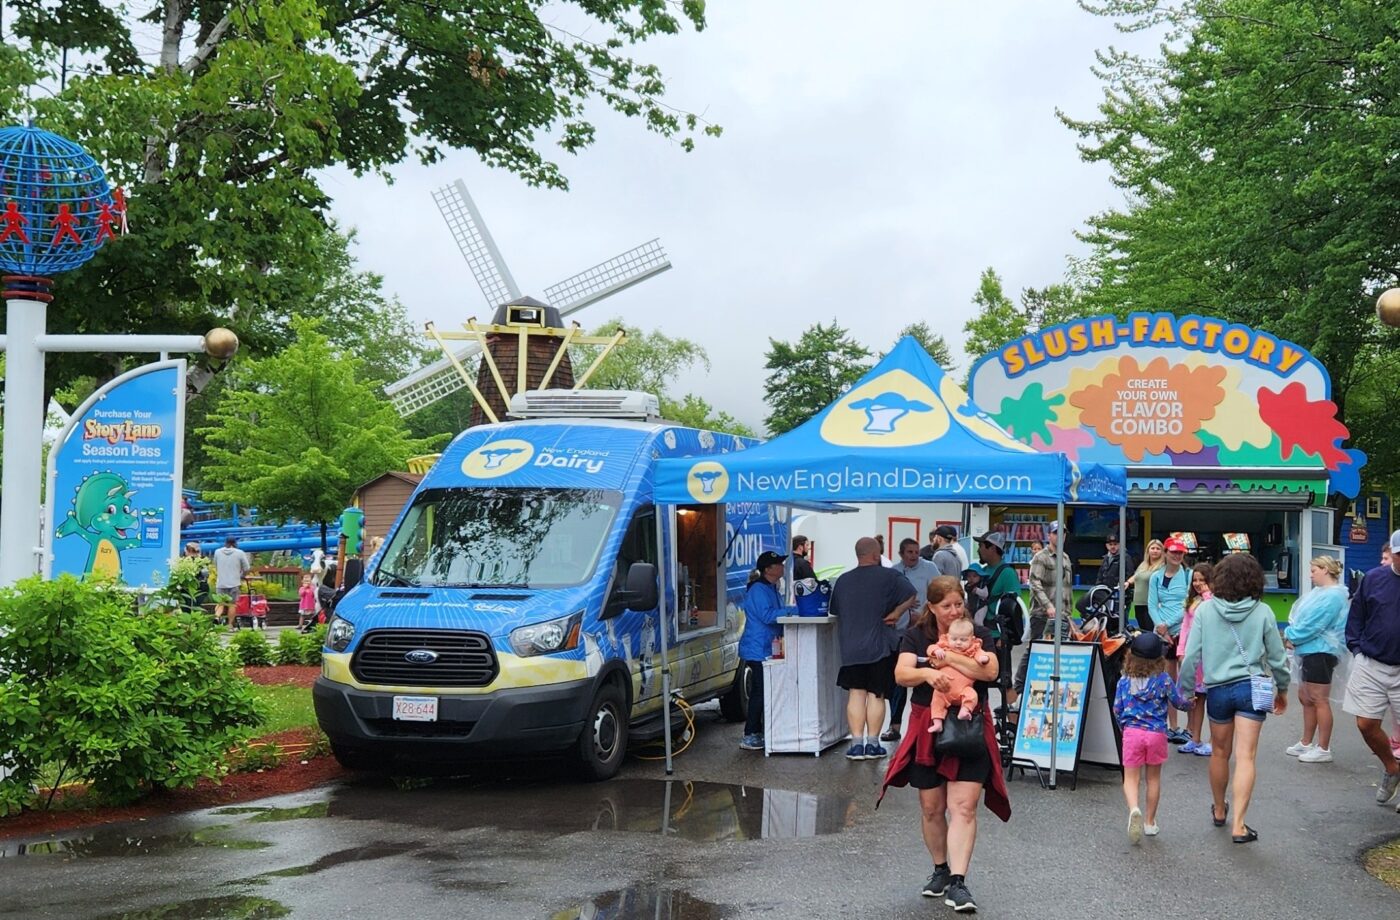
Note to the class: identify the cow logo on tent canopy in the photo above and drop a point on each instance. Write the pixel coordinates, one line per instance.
(707, 482)
(498, 458)
(896, 409)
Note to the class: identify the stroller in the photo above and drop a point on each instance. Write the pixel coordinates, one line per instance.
(1103, 623)
(250, 609)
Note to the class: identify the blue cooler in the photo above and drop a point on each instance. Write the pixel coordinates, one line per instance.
(813, 597)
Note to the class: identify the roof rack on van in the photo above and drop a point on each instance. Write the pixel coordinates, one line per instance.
(623, 404)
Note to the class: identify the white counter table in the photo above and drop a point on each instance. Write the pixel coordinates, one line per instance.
(804, 712)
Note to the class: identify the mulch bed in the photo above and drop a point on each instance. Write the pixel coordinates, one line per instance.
(290, 776)
(296, 675)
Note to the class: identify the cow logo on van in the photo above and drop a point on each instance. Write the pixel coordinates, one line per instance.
(497, 458)
(707, 482)
(895, 409)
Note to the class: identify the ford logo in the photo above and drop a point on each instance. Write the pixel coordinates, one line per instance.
(421, 656)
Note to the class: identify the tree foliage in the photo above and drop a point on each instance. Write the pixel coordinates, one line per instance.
(806, 376)
(932, 342)
(221, 136)
(1257, 151)
(294, 434)
(999, 319)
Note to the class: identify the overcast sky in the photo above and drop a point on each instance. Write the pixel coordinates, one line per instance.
(875, 159)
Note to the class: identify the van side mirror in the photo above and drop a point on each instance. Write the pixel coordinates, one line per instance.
(638, 592)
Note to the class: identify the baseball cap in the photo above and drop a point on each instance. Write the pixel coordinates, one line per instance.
(946, 532)
(1395, 542)
(1147, 645)
(769, 558)
(1053, 528)
(1176, 546)
(976, 568)
(994, 537)
(1111, 538)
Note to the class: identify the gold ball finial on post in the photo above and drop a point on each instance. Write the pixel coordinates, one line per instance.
(1388, 307)
(220, 343)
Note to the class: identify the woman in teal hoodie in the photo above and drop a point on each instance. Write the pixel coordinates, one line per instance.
(1234, 637)
(1317, 634)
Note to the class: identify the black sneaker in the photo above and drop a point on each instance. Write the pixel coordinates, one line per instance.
(960, 899)
(891, 734)
(937, 883)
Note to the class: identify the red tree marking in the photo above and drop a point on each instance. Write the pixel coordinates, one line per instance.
(1311, 427)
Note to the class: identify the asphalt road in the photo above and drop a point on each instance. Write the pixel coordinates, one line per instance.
(735, 835)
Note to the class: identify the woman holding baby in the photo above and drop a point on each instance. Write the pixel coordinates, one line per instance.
(934, 654)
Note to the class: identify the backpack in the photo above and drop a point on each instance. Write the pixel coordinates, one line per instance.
(1006, 611)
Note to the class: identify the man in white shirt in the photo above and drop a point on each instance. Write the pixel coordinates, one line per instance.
(230, 565)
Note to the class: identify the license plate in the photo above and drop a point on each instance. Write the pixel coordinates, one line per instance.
(416, 708)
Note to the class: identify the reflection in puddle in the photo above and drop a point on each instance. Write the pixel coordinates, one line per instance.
(644, 902)
(262, 815)
(702, 812)
(229, 908)
(125, 843)
(367, 853)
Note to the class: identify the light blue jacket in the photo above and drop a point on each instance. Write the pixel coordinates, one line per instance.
(1167, 603)
(1317, 624)
(762, 607)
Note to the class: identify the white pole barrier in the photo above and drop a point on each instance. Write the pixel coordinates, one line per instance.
(23, 443)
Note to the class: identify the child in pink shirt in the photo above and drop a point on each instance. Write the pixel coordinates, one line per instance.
(1197, 595)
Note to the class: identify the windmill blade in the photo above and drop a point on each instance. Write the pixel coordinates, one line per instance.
(479, 249)
(427, 385)
(607, 278)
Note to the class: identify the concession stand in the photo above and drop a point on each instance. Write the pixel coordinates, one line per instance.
(1228, 435)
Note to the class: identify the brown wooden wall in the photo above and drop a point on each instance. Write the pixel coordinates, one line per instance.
(382, 500)
(505, 349)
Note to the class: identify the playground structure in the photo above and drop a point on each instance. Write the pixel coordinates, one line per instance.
(213, 523)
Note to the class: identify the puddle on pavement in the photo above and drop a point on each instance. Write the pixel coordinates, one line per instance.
(125, 843)
(644, 902)
(239, 907)
(266, 815)
(366, 853)
(696, 811)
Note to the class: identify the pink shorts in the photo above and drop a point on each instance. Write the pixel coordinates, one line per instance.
(1143, 747)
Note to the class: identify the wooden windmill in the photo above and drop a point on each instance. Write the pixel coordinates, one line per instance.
(526, 345)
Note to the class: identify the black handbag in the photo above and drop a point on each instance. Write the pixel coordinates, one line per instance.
(964, 739)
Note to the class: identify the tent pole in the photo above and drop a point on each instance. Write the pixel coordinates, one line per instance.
(1122, 568)
(1060, 613)
(662, 544)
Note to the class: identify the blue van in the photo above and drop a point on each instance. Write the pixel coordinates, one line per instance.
(514, 607)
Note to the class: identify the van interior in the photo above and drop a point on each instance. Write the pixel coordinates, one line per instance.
(698, 555)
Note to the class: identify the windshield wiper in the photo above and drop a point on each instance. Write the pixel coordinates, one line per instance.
(395, 580)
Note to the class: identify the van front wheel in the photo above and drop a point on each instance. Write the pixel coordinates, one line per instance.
(734, 705)
(603, 742)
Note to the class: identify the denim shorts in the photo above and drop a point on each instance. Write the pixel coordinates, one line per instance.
(1226, 701)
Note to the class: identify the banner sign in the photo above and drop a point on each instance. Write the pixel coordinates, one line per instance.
(1038, 724)
(1156, 389)
(114, 480)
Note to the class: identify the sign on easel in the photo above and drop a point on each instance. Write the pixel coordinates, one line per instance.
(1084, 731)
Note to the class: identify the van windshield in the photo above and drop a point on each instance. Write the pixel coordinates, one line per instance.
(517, 538)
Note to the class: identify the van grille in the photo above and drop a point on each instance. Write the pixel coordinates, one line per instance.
(465, 659)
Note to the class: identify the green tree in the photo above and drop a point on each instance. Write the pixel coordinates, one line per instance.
(294, 434)
(694, 412)
(807, 376)
(223, 136)
(932, 342)
(1257, 152)
(998, 319)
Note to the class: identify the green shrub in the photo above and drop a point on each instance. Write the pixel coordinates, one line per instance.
(124, 700)
(312, 643)
(251, 648)
(291, 647)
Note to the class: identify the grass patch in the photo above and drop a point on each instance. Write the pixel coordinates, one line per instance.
(1384, 863)
(287, 707)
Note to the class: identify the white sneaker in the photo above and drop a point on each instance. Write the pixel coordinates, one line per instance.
(1135, 826)
(1151, 830)
(1315, 755)
(1297, 749)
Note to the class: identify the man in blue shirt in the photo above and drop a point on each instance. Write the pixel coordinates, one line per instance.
(1373, 636)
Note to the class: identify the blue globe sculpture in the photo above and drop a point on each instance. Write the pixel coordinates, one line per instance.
(56, 208)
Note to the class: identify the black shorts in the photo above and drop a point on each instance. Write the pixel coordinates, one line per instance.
(874, 677)
(1169, 649)
(969, 771)
(1318, 668)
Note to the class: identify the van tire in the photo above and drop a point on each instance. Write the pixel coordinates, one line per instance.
(734, 705)
(353, 758)
(602, 744)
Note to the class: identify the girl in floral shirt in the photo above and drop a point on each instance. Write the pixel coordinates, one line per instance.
(1140, 705)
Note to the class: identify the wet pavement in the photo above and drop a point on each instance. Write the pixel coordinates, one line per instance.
(733, 835)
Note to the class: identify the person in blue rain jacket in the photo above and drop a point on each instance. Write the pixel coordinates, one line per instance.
(1166, 604)
(762, 607)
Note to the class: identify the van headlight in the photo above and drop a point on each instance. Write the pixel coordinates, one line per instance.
(339, 634)
(545, 638)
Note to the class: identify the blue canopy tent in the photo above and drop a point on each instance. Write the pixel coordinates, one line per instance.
(905, 432)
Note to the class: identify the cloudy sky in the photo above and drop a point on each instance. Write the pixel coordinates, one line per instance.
(875, 159)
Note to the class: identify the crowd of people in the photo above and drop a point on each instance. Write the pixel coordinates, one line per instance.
(931, 634)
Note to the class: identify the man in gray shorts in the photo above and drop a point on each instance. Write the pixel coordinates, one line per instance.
(1373, 636)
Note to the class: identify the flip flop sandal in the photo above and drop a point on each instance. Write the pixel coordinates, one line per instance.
(1220, 822)
(1249, 836)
